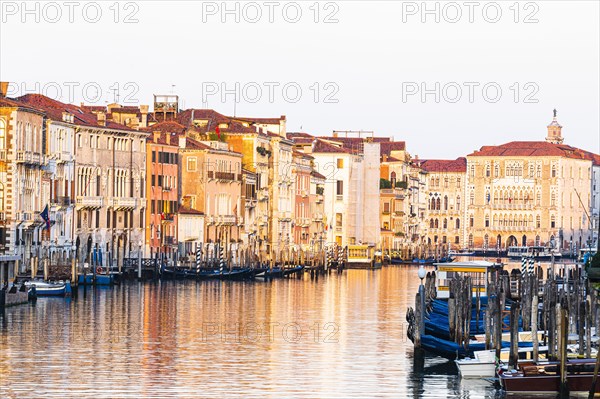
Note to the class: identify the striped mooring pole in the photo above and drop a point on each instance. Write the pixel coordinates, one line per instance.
(221, 259)
(523, 265)
(198, 258)
(531, 264)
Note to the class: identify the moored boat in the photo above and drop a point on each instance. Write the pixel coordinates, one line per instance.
(43, 288)
(543, 378)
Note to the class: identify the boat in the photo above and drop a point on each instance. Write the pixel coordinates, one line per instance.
(234, 274)
(482, 365)
(100, 279)
(537, 252)
(43, 288)
(477, 269)
(543, 378)
(462, 252)
(362, 257)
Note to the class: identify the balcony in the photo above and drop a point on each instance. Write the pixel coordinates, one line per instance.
(250, 202)
(225, 176)
(123, 203)
(285, 216)
(85, 202)
(62, 201)
(167, 217)
(65, 156)
(167, 188)
(209, 220)
(302, 222)
(226, 220)
(318, 217)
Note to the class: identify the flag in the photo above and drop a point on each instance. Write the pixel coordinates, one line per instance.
(44, 214)
(218, 132)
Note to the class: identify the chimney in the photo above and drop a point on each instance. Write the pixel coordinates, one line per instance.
(282, 126)
(3, 89)
(155, 136)
(144, 112)
(182, 143)
(168, 138)
(101, 118)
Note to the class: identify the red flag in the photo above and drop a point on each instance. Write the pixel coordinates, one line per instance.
(218, 131)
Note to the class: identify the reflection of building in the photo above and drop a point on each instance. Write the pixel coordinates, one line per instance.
(528, 192)
(162, 182)
(445, 204)
(24, 186)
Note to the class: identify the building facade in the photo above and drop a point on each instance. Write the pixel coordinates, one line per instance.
(528, 193)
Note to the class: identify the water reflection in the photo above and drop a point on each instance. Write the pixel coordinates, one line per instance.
(340, 336)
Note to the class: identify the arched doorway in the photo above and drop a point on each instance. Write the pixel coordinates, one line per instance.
(512, 241)
(524, 240)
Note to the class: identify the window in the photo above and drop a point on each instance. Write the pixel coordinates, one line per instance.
(192, 164)
(458, 203)
(487, 221)
(386, 207)
(471, 221)
(2, 137)
(97, 219)
(339, 190)
(457, 240)
(553, 222)
(340, 163)
(457, 223)
(538, 221)
(445, 202)
(108, 218)
(445, 223)
(338, 220)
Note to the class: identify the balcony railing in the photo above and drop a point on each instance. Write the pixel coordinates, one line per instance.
(224, 176)
(169, 240)
(62, 201)
(124, 203)
(227, 220)
(84, 202)
(167, 217)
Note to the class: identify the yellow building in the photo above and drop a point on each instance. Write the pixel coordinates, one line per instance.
(528, 193)
(444, 223)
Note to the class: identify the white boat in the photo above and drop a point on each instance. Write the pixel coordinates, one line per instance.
(462, 252)
(43, 288)
(537, 252)
(482, 366)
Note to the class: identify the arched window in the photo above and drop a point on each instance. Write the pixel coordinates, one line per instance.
(438, 204)
(437, 224)
(486, 241)
(431, 223)
(445, 223)
(470, 240)
(457, 223)
(445, 202)
(458, 203)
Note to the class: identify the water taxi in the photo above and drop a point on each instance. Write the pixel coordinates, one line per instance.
(363, 257)
(477, 270)
(537, 252)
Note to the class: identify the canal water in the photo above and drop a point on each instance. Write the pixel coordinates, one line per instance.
(343, 336)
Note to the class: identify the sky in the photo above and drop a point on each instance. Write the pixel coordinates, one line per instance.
(446, 77)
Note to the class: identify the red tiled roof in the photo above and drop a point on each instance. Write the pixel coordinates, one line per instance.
(532, 149)
(166, 127)
(302, 154)
(385, 148)
(54, 110)
(296, 135)
(235, 125)
(93, 108)
(186, 210)
(11, 103)
(267, 121)
(316, 174)
(192, 144)
(444, 165)
(325, 147)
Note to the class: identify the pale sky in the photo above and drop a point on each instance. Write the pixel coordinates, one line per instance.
(363, 70)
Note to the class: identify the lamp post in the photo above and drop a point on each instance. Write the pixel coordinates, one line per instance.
(422, 273)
